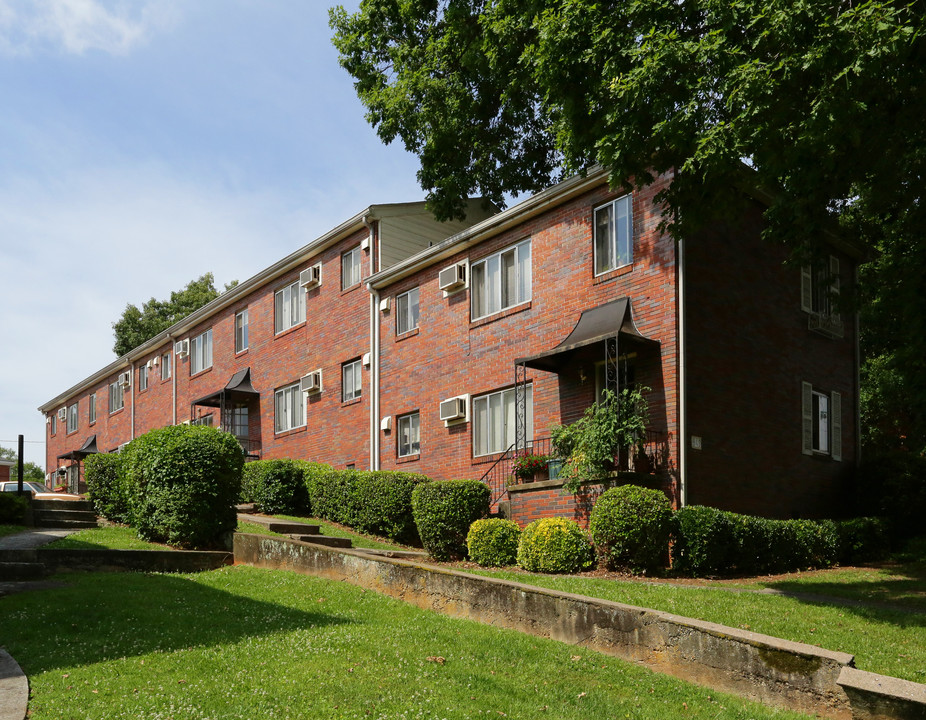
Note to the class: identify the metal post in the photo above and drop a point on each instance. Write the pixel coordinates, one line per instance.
(520, 408)
(611, 373)
(19, 464)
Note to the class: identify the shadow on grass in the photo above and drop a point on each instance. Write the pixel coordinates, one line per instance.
(102, 616)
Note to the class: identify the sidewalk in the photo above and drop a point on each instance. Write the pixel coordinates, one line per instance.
(33, 538)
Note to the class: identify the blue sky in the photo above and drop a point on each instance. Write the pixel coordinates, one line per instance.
(145, 143)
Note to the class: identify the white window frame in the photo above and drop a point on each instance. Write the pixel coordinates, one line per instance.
(352, 380)
(492, 418)
(241, 331)
(91, 410)
(288, 408)
(407, 311)
(408, 435)
(821, 426)
(53, 425)
(166, 365)
(615, 250)
(820, 287)
(72, 418)
(201, 352)
(116, 397)
(288, 307)
(491, 289)
(351, 267)
(142, 378)
(206, 420)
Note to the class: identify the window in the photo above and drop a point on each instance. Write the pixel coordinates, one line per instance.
(241, 331)
(626, 370)
(142, 378)
(116, 397)
(92, 408)
(288, 307)
(53, 425)
(289, 408)
(72, 418)
(406, 311)
(613, 235)
(239, 422)
(493, 421)
(501, 281)
(165, 366)
(350, 267)
(350, 380)
(409, 432)
(202, 420)
(201, 352)
(822, 422)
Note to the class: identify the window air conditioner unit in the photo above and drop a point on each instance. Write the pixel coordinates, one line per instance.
(452, 278)
(311, 383)
(826, 324)
(454, 409)
(62, 414)
(125, 379)
(182, 348)
(310, 277)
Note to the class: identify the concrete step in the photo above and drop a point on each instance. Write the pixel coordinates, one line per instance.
(64, 514)
(84, 505)
(70, 523)
(285, 528)
(21, 571)
(323, 540)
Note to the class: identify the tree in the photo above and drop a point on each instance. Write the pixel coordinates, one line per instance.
(818, 103)
(136, 326)
(31, 471)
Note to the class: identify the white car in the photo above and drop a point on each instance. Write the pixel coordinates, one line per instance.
(38, 490)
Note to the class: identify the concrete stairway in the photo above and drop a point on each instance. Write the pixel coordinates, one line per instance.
(74, 514)
(298, 531)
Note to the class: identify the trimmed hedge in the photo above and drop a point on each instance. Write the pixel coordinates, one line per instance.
(275, 486)
(493, 542)
(12, 508)
(375, 502)
(893, 486)
(183, 482)
(444, 511)
(705, 541)
(106, 487)
(555, 545)
(863, 540)
(631, 527)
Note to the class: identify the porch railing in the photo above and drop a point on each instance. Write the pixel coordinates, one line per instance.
(501, 473)
(251, 448)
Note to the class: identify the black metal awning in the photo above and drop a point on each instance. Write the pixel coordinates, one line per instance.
(238, 389)
(88, 448)
(594, 326)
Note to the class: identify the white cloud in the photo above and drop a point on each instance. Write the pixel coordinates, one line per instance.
(76, 26)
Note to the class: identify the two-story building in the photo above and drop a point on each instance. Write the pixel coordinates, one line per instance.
(397, 342)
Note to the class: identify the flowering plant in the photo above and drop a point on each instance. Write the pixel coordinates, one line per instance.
(526, 466)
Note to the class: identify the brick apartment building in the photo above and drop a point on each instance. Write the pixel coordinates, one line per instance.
(397, 342)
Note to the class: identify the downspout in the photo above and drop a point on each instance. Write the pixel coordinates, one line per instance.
(374, 352)
(173, 380)
(682, 384)
(132, 415)
(858, 382)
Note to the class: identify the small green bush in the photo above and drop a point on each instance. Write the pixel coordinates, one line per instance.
(893, 486)
(183, 482)
(493, 542)
(862, 539)
(705, 541)
(443, 513)
(631, 527)
(106, 487)
(12, 508)
(555, 545)
(275, 486)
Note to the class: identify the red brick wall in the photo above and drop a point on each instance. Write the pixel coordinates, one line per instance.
(748, 350)
(450, 355)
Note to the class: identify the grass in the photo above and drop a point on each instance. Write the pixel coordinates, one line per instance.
(242, 642)
(112, 537)
(11, 529)
(831, 609)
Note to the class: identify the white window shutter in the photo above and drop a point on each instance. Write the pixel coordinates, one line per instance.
(807, 418)
(834, 279)
(806, 289)
(836, 426)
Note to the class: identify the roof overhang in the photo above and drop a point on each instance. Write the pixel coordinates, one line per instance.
(239, 388)
(88, 448)
(596, 325)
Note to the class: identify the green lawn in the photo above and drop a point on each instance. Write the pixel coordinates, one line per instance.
(841, 609)
(112, 537)
(247, 643)
(10, 529)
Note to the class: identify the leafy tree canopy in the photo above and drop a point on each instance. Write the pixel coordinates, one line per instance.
(136, 326)
(31, 471)
(820, 102)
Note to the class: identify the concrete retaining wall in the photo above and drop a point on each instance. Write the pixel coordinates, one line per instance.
(758, 667)
(90, 559)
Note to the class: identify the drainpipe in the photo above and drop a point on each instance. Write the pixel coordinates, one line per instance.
(858, 383)
(132, 415)
(173, 379)
(374, 353)
(682, 386)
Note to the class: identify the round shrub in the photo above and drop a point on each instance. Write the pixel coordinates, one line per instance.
(106, 486)
(631, 526)
(444, 511)
(862, 540)
(493, 542)
(275, 486)
(705, 541)
(183, 483)
(555, 545)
